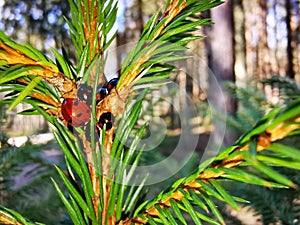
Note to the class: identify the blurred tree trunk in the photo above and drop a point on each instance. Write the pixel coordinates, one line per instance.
(264, 69)
(263, 62)
(221, 58)
(240, 46)
(132, 27)
(249, 52)
(140, 19)
(289, 49)
(295, 43)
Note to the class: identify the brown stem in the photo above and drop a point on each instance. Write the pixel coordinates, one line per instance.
(4, 219)
(90, 30)
(107, 178)
(89, 153)
(51, 74)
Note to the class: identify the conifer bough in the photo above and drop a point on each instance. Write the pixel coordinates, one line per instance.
(102, 190)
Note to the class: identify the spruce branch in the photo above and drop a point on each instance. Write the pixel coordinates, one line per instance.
(249, 150)
(5, 219)
(92, 20)
(11, 217)
(25, 60)
(104, 185)
(92, 31)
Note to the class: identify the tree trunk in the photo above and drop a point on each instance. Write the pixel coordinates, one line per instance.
(290, 58)
(240, 67)
(220, 45)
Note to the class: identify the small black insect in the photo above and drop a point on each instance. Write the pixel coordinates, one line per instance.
(101, 94)
(112, 84)
(107, 119)
(84, 93)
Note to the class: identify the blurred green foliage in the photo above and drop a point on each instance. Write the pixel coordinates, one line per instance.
(25, 184)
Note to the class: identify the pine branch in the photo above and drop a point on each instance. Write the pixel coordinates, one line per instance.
(100, 197)
(11, 217)
(247, 150)
(90, 37)
(92, 31)
(6, 219)
(25, 60)
(20, 62)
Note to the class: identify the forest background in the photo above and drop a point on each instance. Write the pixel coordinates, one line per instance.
(254, 46)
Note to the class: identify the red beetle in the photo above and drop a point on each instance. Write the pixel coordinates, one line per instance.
(76, 112)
